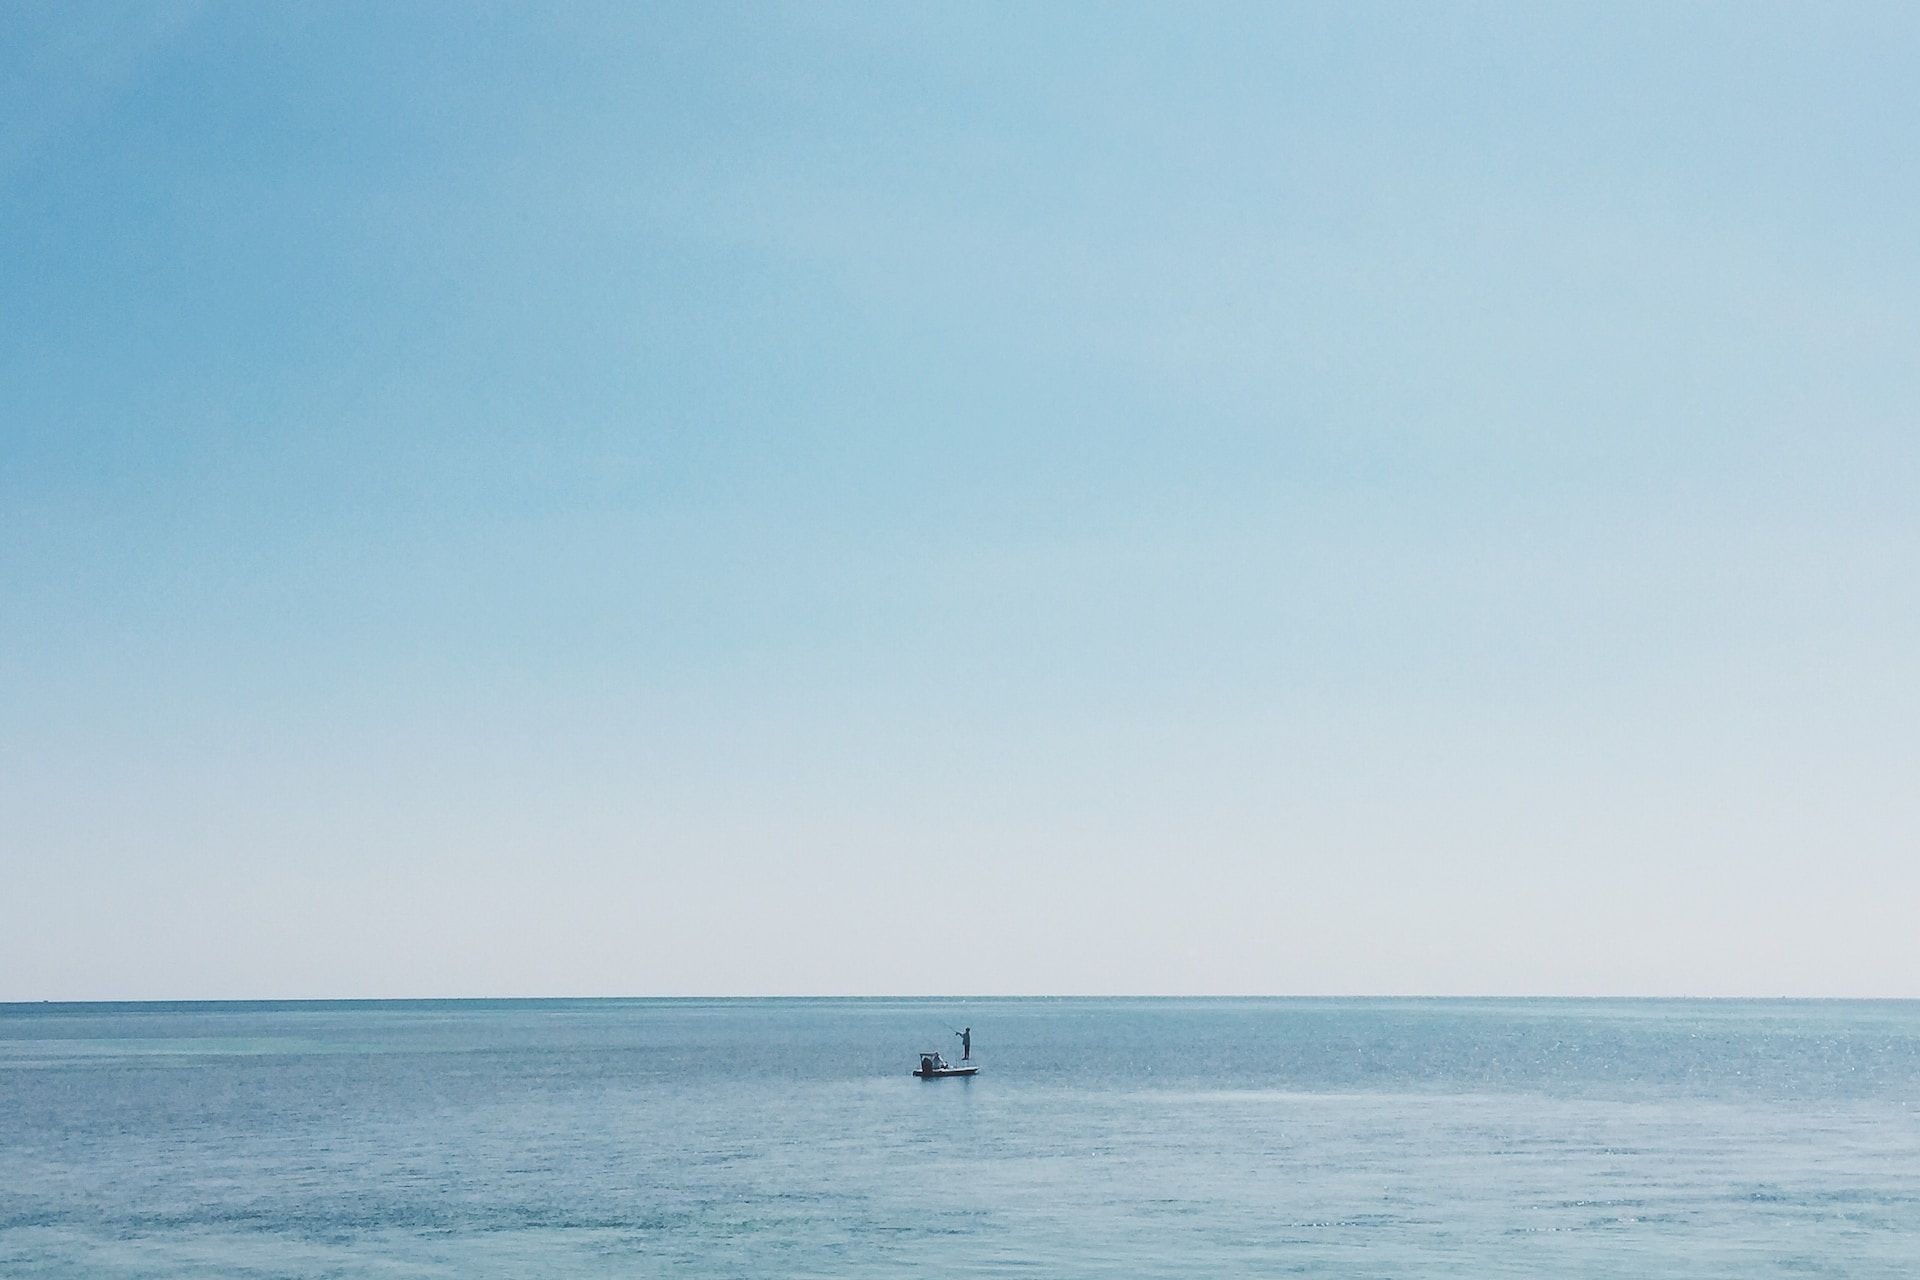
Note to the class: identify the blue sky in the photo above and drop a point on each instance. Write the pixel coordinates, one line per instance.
(1070, 498)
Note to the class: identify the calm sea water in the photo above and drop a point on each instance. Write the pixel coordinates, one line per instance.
(1103, 1138)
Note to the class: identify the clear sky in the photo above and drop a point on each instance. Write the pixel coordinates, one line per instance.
(557, 499)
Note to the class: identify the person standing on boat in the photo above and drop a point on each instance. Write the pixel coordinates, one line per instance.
(966, 1044)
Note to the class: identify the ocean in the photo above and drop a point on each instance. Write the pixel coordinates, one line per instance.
(1109, 1138)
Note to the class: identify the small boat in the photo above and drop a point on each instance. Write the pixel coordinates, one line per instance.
(935, 1067)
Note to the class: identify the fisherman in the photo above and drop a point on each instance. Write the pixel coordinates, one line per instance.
(966, 1045)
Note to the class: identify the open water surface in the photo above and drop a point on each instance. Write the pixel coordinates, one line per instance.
(1112, 1138)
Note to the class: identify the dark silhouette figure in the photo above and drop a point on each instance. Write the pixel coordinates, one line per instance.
(966, 1044)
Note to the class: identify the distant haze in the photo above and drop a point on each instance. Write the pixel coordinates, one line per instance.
(1051, 498)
